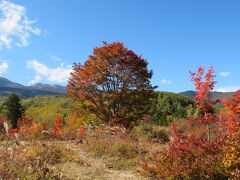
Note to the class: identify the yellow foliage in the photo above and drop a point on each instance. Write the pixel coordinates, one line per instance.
(231, 152)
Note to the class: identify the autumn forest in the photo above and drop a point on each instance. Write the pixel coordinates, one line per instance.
(114, 124)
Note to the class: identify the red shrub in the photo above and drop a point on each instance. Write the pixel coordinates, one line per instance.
(81, 132)
(30, 128)
(233, 104)
(231, 151)
(187, 157)
(191, 155)
(57, 128)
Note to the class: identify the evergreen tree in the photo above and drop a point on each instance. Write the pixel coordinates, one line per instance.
(14, 109)
(170, 106)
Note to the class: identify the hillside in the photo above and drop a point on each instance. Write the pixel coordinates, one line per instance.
(46, 108)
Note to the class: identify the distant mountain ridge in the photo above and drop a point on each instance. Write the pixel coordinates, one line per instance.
(47, 87)
(8, 87)
(214, 95)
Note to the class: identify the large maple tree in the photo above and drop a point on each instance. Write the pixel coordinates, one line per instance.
(114, 83)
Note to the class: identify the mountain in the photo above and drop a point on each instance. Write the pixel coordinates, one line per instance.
(47, 87)
(8, 87)
(214, 95)
(7, 83)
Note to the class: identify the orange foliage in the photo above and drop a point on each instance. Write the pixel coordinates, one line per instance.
(231, 151)
(70, 131)
(187, 157)
(57, 128)
(233, 104)
(81, 132)
(112, 84)
(203, 88)
(29, 128)
(190, 155)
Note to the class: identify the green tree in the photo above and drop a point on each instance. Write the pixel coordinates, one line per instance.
(13, 109)
(170, 106)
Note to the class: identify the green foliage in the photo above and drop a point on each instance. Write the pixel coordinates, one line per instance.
(166, 107)
(13, 109)
(46, 108)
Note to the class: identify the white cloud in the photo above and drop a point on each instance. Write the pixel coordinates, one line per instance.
(228, 89)
(3, 68)
(58, 74)
(225, 74)
(36, 80)
(15, 27)
(164, 81)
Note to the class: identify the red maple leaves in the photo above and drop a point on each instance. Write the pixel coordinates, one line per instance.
(204, 84)
(112, 84)
(57, 128)
(233, 104)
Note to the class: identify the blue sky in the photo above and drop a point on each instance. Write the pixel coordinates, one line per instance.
(39, 40)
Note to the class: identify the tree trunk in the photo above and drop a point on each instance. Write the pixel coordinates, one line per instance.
(6, 126)
(209, 131)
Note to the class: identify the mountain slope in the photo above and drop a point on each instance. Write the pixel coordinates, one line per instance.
(8, 87)
(214, 95)
(47, 87)
(7, 83)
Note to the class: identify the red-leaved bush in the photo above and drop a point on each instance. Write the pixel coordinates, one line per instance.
(81, 132)
(233, 104)
(30, 128)
(231, 149)
(57, 128)
(187, 158)
(193, 156)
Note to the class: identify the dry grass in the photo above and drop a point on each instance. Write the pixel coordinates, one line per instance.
(122, 152)
(104, 154)
(34, 160)
(59, 160)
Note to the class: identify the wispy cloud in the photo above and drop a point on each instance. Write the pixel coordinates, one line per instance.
(15, 27)
(55, 58)
(59, 74)
(228, 89)
(165, 81)
(225, 74)
(3, 67)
